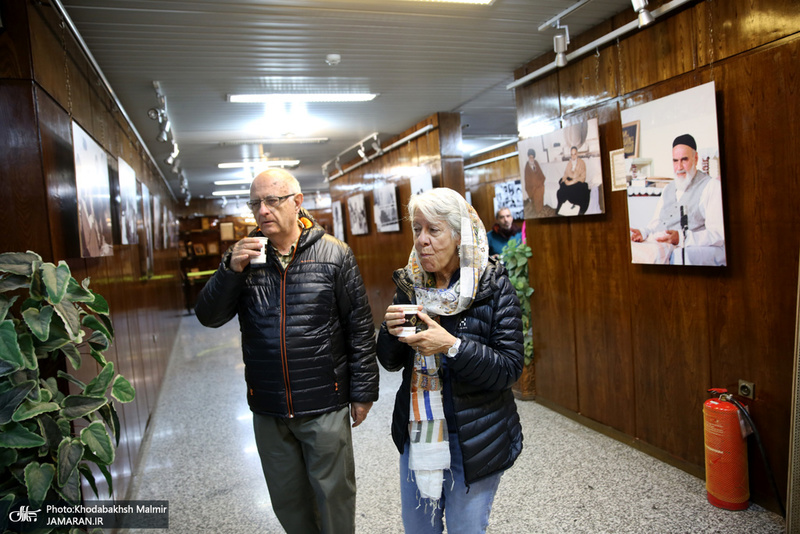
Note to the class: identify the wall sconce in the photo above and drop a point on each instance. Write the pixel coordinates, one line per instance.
(560, 42)
(645, 17)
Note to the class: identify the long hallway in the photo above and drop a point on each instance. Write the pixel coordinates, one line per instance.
(200, 455)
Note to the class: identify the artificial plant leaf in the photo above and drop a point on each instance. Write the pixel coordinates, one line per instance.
(56, 280)
(18, 262)
(29, 409)
(107, 321)
(9, 347)
(73, 355)
(12, 282)
(16, 436)
(70, 453)
(98, 341)
(86, 471)
(28, 351)
(36, 289)
(98, 305)
(96, 438)
(99, 384)
(122, 390)
(5, 305)
(38, 478)
(6, 368)
(77, 406)
(7, 457)
(11, 399)
(71, 490)
(98, 356)
(90, 321)
(39, 321)
(70, 314)
(109, 415)
(76, 293)
(70, 378)
(50, 430)
(58, 338)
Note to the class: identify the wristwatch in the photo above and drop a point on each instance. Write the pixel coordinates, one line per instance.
(452, 351)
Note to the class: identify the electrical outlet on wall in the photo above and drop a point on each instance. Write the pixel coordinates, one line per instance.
(747, 389)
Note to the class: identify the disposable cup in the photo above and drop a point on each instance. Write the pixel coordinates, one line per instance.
(410, 326)
(261, 258)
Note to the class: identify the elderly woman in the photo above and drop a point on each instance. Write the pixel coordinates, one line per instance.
(455, 422)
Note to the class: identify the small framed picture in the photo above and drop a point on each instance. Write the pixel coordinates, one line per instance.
(226, 231)
(199, 249)
(630, 139)
(213, 248)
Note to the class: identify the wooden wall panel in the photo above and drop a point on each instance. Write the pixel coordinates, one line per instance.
(663, 51)
(22, 186)
(589, 81)
(15, 46)
(725, 29)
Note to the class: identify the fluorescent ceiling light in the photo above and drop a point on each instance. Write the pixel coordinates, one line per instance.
(231, 193)
(304, 97)
(260, 163)
(245, 181)
(479, 2)
(277, 141)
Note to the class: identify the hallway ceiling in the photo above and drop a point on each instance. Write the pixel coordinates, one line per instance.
(419, 57)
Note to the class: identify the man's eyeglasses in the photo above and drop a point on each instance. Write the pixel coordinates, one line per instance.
(271, 202)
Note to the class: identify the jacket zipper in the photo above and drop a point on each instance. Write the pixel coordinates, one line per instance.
(284, 356)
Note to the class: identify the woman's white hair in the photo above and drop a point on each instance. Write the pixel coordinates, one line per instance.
(439, 204)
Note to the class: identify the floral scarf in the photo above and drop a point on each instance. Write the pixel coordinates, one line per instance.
(429, 451)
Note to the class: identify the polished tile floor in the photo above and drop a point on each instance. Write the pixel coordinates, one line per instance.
(200, 455)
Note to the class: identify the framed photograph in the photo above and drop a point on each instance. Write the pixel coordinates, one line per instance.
(630, 139)
(509, 195)
(675, 208)
(94, 195)
(386, 209)
(358, 214)
(562, 172)
(213, 248)
(618, 170)
(199, 249)
(338, 220)
(147, 221)
(129, 205)
(226, 231)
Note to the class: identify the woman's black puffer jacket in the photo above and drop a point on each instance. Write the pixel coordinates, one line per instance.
(488, 363)
(308, 339)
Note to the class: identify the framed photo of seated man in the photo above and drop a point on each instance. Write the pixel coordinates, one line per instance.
(675, 184)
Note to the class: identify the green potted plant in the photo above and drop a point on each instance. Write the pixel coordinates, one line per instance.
(515, 257)
(43, 453)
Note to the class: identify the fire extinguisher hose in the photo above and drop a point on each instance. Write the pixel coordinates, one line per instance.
(770, 474)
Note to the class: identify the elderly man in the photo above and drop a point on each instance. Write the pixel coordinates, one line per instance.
(688, 214)
(503, 230)
(309, 353)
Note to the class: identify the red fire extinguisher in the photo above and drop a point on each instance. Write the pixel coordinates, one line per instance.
(727, 483)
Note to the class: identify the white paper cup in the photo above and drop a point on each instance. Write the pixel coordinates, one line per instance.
(262, 258)
(410, 326)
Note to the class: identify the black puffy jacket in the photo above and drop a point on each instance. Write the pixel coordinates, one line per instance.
(308, 339)
(488, 363)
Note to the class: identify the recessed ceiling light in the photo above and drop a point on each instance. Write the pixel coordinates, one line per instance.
(304, 97)
(247, 181)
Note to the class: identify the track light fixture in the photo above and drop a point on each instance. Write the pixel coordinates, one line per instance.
(560, 42)
(338, 165)
(645, 17)
(363, 154)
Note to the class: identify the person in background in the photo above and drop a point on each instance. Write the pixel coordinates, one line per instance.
(503, 230)
(309, 354)
(455, 421)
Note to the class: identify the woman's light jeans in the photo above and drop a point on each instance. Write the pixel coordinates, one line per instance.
(465, 513)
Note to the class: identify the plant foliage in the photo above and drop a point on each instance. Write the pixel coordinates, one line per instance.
(43, 453)
(515, 257)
